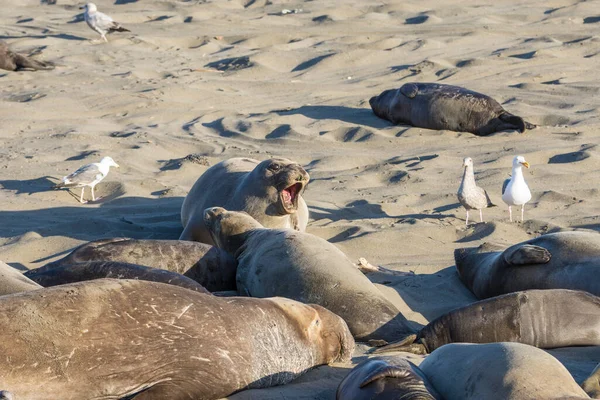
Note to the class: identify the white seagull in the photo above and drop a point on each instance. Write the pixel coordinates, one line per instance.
(515, 191)
(471, 196)
(100, 22)
(88, 175)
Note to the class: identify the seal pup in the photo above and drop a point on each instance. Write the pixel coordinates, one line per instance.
(13, 281)
(270, 191)
(498, 371)
(561, 260)
(386, 378)
(437, 106)
(542, 318)
(306, 268)
(87, 175)
(87, 271)
(100, 22)
(115, 339)
(471, 196)
(592, 384)
(12, 61)
(210, 266)
(515, 191)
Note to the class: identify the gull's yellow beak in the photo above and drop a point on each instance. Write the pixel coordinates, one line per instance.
(525, 164)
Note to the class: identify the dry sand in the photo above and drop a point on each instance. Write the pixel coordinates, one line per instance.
(236, 78)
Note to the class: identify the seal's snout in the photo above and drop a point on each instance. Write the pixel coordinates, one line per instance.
(212, 214)
(372, 100)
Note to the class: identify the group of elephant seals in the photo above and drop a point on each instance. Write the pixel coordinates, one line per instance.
(386, 378)
(306, 268)
(437, 106)
(87, 271)
(145, 340)
(210, 266)
(270, 191)
(12, 61)
(498, 371)
(13, 281)
(562, 260)
(542, 318)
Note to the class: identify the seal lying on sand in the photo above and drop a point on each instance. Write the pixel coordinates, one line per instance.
(498, 371)
(87, 271)
(540, 318)
(270, 191)
(563, 260)
(592, 384)
(13, 281)
(210, 266)
(304, 267)
(436, 106)
(386, 378)
(12, 61)
(145, 340)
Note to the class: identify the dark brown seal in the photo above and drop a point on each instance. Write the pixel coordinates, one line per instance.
(304, 267)
(210, 266)
(270, 191)
(541, 318)
(87, 271)
(386, 378)
(12, 61)
(116, 339)
(437, 106)
(562, 260)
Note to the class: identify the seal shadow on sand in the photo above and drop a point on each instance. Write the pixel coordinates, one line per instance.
(357, 116)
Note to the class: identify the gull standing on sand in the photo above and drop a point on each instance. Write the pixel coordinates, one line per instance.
(100, 22)
(88, 175)
(471, 196)
(515, 191)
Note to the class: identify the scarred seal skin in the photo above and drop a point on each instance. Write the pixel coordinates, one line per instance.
(562, 260)
(306, 268)
(437, 106)
(114, 339)
(270, 191)
(210, 266)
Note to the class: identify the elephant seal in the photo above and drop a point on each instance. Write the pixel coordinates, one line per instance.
(13, 281)
(270, 191)
(498, 371)
(115, 339)
(306, 268)
(210, 266)
(562, 260)
(437, 106)
(12, 61)
(386, 378)
(87, 271)
(592, 384)
(542, 318)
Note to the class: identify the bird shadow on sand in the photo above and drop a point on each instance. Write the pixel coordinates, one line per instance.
(358, 116)
(362, 209)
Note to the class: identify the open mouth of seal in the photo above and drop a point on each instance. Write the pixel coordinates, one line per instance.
(289, 197)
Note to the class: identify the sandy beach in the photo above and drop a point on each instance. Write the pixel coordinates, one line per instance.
(195, 83)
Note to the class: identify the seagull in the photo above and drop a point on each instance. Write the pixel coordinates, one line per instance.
(88, 175)
(471, 196)
(515, 191)
(100, 22)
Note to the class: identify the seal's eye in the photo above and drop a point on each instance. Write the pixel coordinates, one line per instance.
(275, 167)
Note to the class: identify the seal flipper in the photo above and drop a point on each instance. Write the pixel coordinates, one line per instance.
(410, 90)
(25, 62)
(518, 122)
(384, 370)
(527, 254)
(592, 384)
(407, 344)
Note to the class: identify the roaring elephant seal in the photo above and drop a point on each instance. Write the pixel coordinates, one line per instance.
(498, 371)
(12, 61)
(210, 266)
(437, 106)
(116, 339)
(90, 270)
(13, 281)
(270, 191)
(542, 318)
(386, 378)
(306, 268)
(563, 260)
